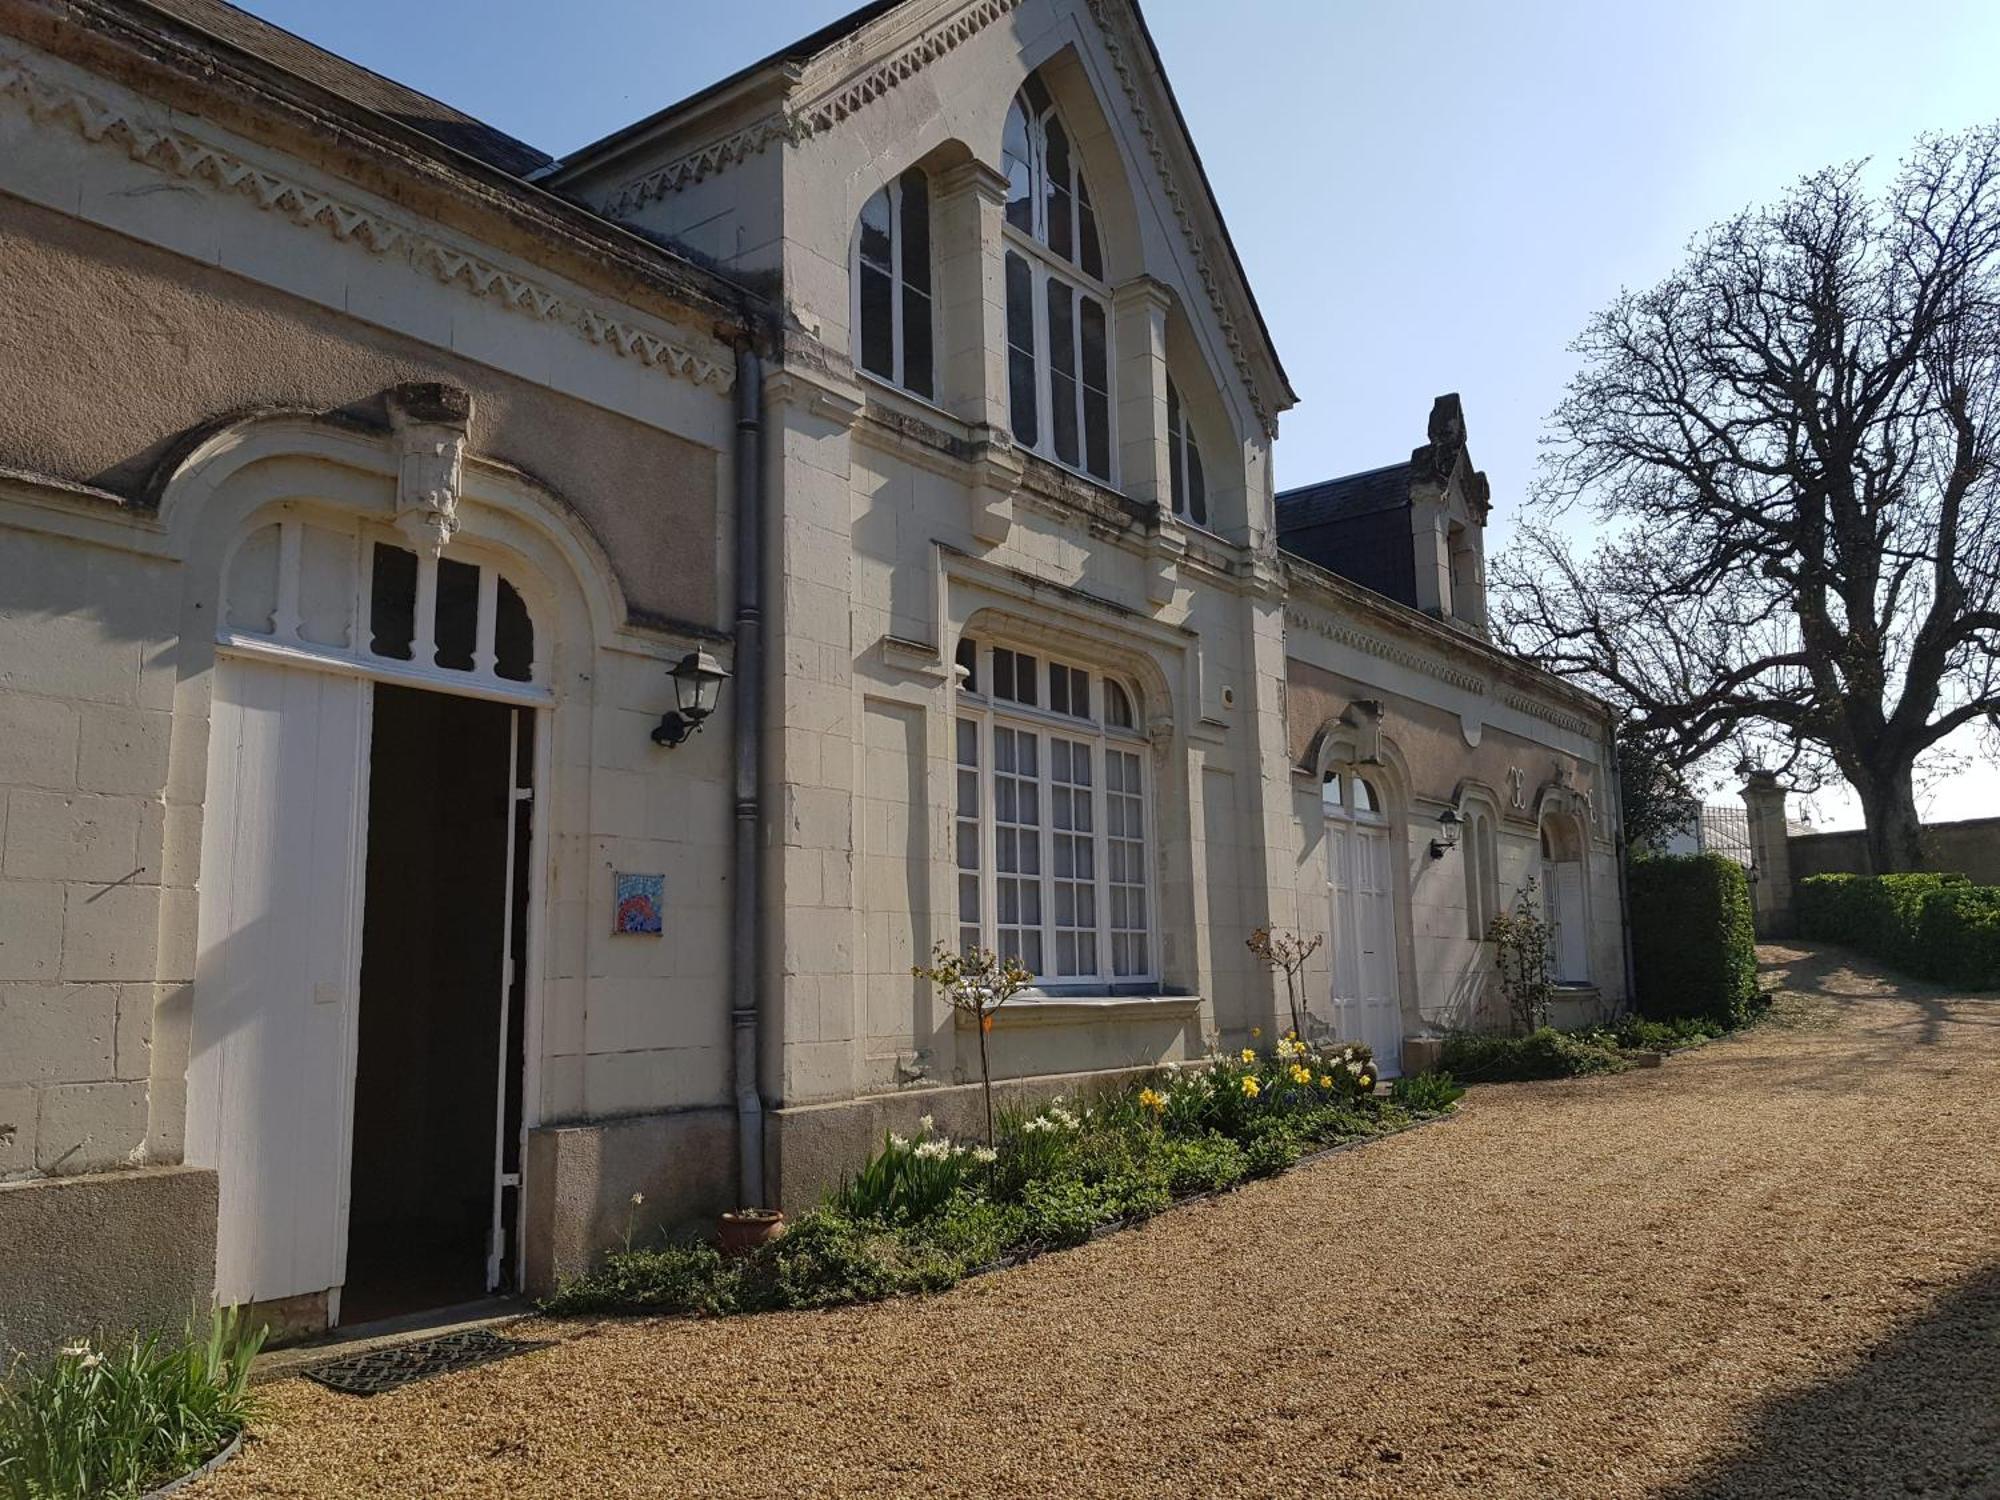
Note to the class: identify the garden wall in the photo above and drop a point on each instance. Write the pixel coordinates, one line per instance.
(1970, 848)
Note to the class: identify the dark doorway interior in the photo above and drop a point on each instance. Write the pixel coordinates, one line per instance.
(433, 955)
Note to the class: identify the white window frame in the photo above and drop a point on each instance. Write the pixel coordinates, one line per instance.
(898, 350)
(988, 713)
(1045, 265)
(284, 644)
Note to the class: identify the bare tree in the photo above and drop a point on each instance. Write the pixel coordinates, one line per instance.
(1791, 442)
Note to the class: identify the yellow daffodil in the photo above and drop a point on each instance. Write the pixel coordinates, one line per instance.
(1326, 1080)
(1255, 1032)
(1249, 1054)
(1152, 1099)
(1251, 1088)
(1367, 1082)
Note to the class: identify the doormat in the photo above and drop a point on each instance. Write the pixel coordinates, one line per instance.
(386, 1369)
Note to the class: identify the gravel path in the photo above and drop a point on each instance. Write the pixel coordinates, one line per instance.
(1770, 1269)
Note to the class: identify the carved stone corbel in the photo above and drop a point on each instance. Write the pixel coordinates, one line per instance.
(997, 472)
(430, 421)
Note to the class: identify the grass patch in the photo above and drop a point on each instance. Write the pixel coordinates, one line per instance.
(922, 1214)
(120, 1421)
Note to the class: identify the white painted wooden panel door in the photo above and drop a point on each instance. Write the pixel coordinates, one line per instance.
(1572, 933)
(1363, 931)
(271, 1068)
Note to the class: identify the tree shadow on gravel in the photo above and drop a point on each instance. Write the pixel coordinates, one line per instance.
(1909, 1024)
(1918, 1416)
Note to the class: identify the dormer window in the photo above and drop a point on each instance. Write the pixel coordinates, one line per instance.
(1058, 326)
(892, 285)
(1190, 488)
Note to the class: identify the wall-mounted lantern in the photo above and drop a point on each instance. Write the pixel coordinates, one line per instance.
(1447, 839)
(698, 679)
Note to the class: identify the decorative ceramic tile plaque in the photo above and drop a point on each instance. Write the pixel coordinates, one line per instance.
(640, 899)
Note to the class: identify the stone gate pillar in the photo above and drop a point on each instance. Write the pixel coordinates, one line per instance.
(1770, 853)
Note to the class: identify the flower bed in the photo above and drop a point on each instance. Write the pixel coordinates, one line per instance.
(119, 1421)
(924, 1213)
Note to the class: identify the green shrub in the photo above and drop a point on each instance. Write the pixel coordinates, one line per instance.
(1063, 1211)
(824, 1260)
(1694, 950)
(124, 1420)
(1201, 1164)
(1546, 1053)
(671, 1279)
(1958, 935)
(1937, 926)
(1426, 1093)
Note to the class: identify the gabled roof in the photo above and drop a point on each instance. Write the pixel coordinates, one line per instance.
(774, 75)
(355, 84)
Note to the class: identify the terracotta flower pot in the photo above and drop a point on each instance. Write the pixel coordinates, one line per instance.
(744, 1230)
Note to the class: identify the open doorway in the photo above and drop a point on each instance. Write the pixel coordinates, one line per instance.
(437, 1084)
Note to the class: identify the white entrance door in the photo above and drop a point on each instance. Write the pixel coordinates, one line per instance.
(1363, 928)
(271, 1064)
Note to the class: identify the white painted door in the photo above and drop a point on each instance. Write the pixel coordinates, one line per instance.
(271, 1062)
(1567, 917)
(1363, 929)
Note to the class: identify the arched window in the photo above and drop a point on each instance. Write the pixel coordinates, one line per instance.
(1058, 327)
(1346, 795)
(1051, 818)
(892, 285)
(357, 597)
(1190, 488)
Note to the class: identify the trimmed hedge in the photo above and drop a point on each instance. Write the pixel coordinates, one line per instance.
(1936, 926)
(1694, 949)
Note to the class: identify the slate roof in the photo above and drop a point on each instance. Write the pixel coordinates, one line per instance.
(1361, 494)
(355, 84)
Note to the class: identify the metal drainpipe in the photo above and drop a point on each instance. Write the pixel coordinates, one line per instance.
(746, 947)
(1621, 851)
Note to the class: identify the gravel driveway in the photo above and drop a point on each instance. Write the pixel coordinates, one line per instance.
(1770, 1268)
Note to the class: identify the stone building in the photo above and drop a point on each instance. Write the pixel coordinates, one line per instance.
(380, 504)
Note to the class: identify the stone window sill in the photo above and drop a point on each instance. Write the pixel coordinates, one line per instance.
(1073, 1010)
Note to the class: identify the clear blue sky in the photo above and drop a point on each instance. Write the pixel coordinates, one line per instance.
(1426, 198)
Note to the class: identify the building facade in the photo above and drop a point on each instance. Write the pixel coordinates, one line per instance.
(365, 478)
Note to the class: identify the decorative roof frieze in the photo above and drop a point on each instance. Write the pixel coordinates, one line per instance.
(1345, 633)
(180, 154)
(795, 123)
(1117, 46)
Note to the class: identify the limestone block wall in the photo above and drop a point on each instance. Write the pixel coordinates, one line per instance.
(96, 865)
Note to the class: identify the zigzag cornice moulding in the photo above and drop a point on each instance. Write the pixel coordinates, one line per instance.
(1548, 713)
(1344, 634)
(176, 153)
(822, 112)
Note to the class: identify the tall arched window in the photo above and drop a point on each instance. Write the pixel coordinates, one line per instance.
(1058, 324)
(892, 285)
(1190, 486)
(1051, 818)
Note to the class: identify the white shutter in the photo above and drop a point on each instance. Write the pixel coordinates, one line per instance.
(271, 1066)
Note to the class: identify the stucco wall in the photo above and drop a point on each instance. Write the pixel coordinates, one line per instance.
(131, 347)
(101, 1256)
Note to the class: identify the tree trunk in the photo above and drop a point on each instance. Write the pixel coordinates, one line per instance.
(1895, 834)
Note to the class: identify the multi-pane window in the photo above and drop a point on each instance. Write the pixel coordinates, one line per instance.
(1190, 487)
(1051, 818)
(892, 276)
(1058, 329)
